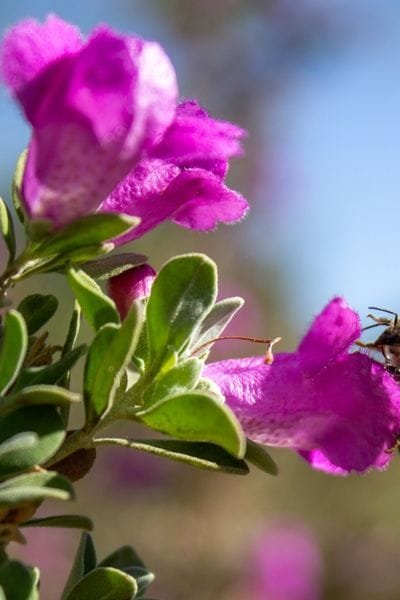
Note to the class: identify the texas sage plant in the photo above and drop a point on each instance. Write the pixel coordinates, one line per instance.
(113, 154)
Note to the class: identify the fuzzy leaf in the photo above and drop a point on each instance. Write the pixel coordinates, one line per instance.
(196, 454)
(182, 294)
(7, 229)
(84, 562)
(97, 308)
(45, 423)
(37, 395)
(65, 521)
(181, 378)
(215, 322)
(197, 416)
(19, 582)
(37, 309)
(34, 487)
(104, 583)
(90, 230)
(13, 349)
(259, 457)
(106, 362)
(110, 266)
(50, 374)
(16, 188)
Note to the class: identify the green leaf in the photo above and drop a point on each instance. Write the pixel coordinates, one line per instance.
(16, 188)
(126, 559)
(104, 583)
(214, 323)
(198, 417)
(21, 442)
(259, 457)
(181, 378)
(50, 374)
(37, 309)
(7, 229)
(13, 349)
(43, 421)
(182, 294)
(65, 521)
(70, 341)
(87, 231)
(34, 487)
(110, 266)
(97, 308)
(19, 582)
(85, 561)
(123, 558)
(37, 395)
(196, 454)
(106, 362)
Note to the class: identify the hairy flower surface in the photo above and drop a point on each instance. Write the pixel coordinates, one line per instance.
(108, 134)
(182, 177)
(133, 284)
(95, 106)
(340, 410)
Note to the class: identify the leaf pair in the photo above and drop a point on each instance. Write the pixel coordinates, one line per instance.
(120, 576)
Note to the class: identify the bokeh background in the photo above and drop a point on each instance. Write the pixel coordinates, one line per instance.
(317, 86)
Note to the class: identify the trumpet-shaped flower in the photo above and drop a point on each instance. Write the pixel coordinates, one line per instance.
(107, 133)
(340, 410)
(182, 178)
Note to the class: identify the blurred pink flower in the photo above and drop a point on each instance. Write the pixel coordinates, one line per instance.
(286, 565)
(341, 411)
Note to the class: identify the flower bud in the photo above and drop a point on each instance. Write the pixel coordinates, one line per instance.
(133, 284)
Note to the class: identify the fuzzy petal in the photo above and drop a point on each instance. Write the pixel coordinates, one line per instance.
(93, 111)
(203, 201)
(342, 417)
(30, 47)
(194, 136)
(332, 332)
(156, 191)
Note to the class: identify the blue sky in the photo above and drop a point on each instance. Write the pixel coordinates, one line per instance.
(338, 230)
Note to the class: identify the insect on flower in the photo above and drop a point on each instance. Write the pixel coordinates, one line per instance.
(388, 343)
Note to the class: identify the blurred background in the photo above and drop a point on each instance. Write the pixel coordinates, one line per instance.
(317, 86)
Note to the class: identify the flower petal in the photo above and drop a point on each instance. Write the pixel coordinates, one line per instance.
(342, 418)
(94, 111)
(194, 136)
(156, 191)
(204, 201)
(30, 47)
(331, 333)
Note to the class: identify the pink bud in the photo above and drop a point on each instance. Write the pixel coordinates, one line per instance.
(133, 284)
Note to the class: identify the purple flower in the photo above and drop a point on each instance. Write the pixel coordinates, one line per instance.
(133, 284)
(95, 107)
(182, 177)
(107, 133)
(340, 410)
(286, 565)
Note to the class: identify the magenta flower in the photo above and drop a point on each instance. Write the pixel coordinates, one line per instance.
(340, 410)
(95, 106)
(107, 131)
(287, 565)
(133, 284)
(182, 177)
